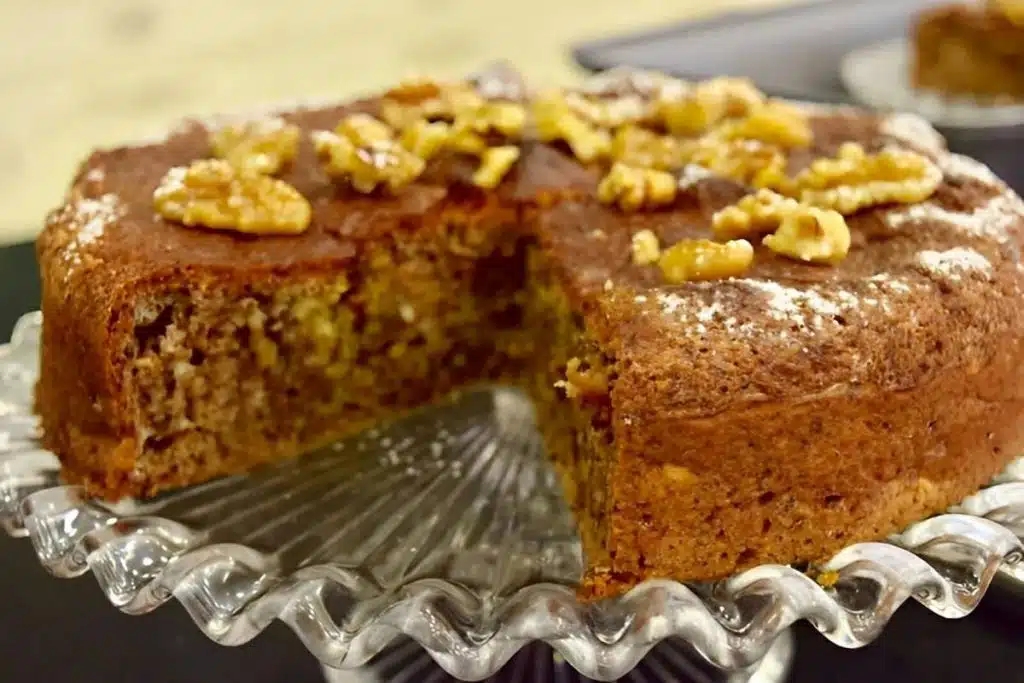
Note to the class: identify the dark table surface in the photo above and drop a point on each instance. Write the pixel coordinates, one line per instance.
(65, 631)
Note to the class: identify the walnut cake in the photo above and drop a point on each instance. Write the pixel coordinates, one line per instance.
(756, 330)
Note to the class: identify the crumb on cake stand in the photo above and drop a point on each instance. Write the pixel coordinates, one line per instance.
(756, 331)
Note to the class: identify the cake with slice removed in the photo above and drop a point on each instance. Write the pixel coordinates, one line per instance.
(755, 331)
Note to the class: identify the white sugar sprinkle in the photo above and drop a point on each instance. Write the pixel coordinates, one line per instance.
(915, 131)
(671, 303)
(788, 303)
(87, 219)
(959, 166)
(172, 183)
(953, 263)
(886, 280)
(693, 174)
(800, 309)
(992, 220)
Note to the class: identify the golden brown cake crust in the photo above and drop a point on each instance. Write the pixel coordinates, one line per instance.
(769, 418)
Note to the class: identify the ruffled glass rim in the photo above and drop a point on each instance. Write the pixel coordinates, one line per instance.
(448, 528)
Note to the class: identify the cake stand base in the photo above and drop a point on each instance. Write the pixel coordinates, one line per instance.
(670, 662)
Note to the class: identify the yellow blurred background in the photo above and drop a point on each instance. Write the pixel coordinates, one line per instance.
(86, 73)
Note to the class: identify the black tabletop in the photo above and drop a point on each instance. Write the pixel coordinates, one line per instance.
(64, 630)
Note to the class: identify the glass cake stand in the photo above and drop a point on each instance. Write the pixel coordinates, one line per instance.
(442, 541)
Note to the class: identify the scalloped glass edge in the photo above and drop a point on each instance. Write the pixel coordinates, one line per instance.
(234, 591)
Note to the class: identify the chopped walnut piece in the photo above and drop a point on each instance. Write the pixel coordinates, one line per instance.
(495, 163)
(828, 579)
(475, 126)
(707, 104)
(609, 113)
(758, 213)
(622, 81)
(501, 118)
(705, 260)
(581, 381)
(364, 130)
(260, 146)
(679, 474)
(811, 234)
(465, 140)
(425, 138)
(366, 166)
(214, 194)
(455, 98)
(400, 116)
(505, 118)
(556, 121)
(414, 91)
(774, 122)
(644, 148)
(738, 95)
(634, 188)
(623, 96)
(856, 180)
(427, 99)
(746, 161)
(688, 115)
(646, 248)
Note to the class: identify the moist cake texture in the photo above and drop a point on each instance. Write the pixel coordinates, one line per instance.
(971, 50)
(755, 331)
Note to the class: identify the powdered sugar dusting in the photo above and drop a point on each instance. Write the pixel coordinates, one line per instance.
(952, 264)
(959, 166)
(795, 305)
(887, 281)
(701, 318)
(799, 309)
(991, 220)
(86, 220)
(171, 184)
(693, 174)
(915, 131)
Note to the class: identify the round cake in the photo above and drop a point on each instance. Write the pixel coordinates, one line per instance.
(755, 331)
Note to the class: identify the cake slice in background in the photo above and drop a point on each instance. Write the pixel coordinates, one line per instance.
(971, 51)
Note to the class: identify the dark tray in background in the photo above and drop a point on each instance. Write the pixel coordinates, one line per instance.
(794, 51)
